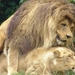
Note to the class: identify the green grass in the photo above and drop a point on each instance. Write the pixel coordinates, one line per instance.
(66, 73)
(55, 73)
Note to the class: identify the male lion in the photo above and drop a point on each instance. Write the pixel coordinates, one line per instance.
(43, 61)
(39, 23)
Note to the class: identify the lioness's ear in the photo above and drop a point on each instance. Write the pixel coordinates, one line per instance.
(57, 53)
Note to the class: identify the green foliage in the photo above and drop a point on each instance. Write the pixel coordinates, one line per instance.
(21, 1)
(7, 8)
(21, 73)
(70, 72)
(72, 1)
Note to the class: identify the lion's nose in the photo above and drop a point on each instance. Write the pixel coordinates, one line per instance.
(63, 40)
(68, 36)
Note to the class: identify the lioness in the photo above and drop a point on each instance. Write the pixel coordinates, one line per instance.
(44, 61)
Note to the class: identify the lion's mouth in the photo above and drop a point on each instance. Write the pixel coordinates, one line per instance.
(60, 41)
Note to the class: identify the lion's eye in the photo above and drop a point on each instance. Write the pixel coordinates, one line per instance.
(63, 24)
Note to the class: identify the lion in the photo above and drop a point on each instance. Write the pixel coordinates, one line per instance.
(39, 23)
(43, 61)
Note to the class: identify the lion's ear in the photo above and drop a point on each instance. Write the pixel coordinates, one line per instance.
(57, 53)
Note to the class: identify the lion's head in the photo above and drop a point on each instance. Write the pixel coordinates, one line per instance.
(61, 24)
(64, 33)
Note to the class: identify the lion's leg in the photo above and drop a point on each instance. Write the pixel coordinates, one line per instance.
(3, 67)
(12, 59)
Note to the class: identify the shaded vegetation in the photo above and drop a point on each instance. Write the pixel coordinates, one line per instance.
(8, 7)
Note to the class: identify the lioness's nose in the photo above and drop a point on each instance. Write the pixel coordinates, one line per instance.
(68, 36)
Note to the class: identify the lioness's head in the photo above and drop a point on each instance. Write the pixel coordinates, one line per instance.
(64, 59)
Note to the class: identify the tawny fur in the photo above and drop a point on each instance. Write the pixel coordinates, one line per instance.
(3, 64)
(3, 31)
(39, 23)
(42, 61)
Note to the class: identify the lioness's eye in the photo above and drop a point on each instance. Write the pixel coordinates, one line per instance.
(69, 55)
(72, 28)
